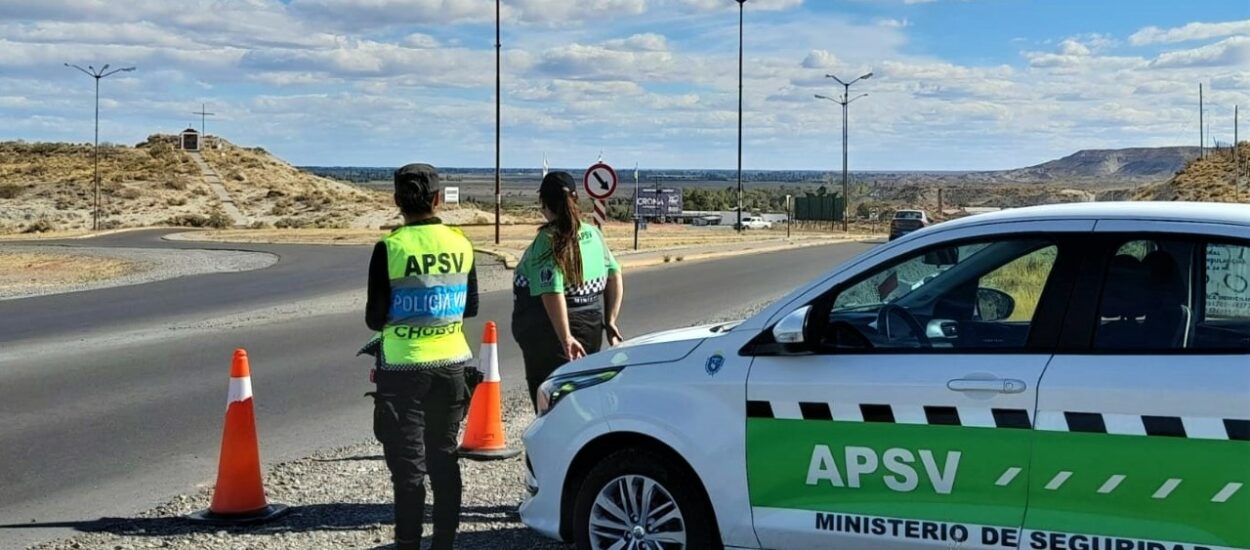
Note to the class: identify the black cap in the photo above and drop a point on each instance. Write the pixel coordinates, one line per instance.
(422, 177)
(557, 182)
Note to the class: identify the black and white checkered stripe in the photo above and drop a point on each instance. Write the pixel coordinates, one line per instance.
(593, 287)
(978, 417)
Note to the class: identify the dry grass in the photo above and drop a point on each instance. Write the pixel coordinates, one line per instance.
(1205, 180)
(28, 271)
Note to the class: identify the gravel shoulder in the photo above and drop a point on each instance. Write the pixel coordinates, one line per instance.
(142, 265)
(342, 499)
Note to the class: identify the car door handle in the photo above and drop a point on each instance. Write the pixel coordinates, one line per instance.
(994, 385)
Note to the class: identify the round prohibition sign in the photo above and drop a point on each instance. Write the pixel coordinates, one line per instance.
(600, 181)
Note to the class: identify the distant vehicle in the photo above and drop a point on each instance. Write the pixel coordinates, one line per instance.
(906, 221)
(997, 375)
(756, 222)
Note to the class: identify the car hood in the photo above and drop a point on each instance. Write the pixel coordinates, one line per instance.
(650, 349)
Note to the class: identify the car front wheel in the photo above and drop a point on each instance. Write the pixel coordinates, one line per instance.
(631, 500)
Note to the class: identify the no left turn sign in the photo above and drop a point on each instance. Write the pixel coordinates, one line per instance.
(600, 182)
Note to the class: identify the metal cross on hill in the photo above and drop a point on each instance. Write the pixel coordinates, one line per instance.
(204, 114)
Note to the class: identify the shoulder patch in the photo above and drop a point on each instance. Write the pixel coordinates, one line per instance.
(547, 275)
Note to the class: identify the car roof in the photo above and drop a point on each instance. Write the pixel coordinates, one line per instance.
(1221, 213)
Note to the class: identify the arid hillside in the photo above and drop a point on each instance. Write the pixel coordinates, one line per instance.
(1211, 179)
(48, 187)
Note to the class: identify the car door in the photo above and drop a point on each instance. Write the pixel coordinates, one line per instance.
(903, 419)
(1143, 429)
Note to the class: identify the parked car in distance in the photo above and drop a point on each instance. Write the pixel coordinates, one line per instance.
(756, 222)
(906, 221)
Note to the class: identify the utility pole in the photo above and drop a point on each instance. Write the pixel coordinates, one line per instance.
(1202, 136)
(498, 118)
(98, 75)
(845, 102)
(741, 10)
(203, 115)
(1237, 168)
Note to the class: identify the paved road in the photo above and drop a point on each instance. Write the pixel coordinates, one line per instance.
(91, 433)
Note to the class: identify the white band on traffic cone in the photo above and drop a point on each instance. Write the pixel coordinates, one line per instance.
(240, 390)
(489, 362)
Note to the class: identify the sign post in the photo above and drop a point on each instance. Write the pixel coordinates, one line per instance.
(600, 183)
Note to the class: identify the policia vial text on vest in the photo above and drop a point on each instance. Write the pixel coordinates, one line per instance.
(422, 285)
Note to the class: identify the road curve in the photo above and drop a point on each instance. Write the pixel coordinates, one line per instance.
(91, 433)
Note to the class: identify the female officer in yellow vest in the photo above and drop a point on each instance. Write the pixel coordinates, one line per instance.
(567, 289)
(422, 284)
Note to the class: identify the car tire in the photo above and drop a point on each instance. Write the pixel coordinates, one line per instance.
(628, 471)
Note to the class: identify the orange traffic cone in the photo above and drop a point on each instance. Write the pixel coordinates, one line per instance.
(239, 496)
(483, 434)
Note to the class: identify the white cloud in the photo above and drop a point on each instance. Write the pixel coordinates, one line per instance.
(1189, 32)
(649, 42)
(892, 23)
(1071, 47)
(1230, 52)
(760, 5)
(820, 59)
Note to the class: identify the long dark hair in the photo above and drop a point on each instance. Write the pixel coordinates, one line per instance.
(561, 200)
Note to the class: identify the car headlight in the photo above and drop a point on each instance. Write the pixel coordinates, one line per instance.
(556, 388)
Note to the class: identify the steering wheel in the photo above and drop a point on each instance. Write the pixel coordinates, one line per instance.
(899, 312)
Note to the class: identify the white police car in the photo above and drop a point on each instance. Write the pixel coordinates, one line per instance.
(1068, 377)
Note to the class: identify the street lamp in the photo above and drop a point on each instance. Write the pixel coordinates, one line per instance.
(741, 9)
(498, 117)
(98, 74)
(844, 102)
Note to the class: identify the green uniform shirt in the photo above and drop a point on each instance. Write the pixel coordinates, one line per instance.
(537, 274)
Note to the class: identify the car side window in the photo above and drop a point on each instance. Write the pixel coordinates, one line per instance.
(1224, 320)
(978, 296)
(1175, 295)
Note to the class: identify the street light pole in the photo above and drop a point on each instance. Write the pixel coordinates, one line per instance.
(845, 103)
(498, 118)
(741, 10)
(102, 73)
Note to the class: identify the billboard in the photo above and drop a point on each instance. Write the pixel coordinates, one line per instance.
(657, 203)
(818, 208)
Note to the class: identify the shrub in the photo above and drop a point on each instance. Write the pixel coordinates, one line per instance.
(218, 219)
(42, 225)
(127, 193)
(177, 184)
(199, 191)
(290, 223)
(176, 201)
(258, 224)
(11, 190)
(187, 220)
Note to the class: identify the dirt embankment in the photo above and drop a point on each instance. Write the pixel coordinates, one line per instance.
(1211, 179)
(49, 187)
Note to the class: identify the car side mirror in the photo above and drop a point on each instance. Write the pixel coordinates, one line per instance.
(994, 304)
(793, 327)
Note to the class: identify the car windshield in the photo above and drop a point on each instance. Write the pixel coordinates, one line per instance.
(908, 215)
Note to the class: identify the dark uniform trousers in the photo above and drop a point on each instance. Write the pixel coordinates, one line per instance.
(541, 350)
(417, 417)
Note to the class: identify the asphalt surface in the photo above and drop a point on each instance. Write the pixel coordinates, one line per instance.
(91, 433)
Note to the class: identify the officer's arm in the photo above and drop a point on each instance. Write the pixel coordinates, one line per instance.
(471, 301)
(377, 307)
(614, 294)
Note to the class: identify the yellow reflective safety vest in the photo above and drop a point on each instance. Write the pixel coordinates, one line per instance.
(429, 271)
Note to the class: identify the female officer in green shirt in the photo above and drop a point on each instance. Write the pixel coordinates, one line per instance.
(568, 288)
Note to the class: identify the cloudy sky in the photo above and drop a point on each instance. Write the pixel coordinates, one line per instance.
(959, 84)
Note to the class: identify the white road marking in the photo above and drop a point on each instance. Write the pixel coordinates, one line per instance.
(1058, 481)
(1166, 489)
(1111, 485)
(1008, 477)
(1227, 493)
